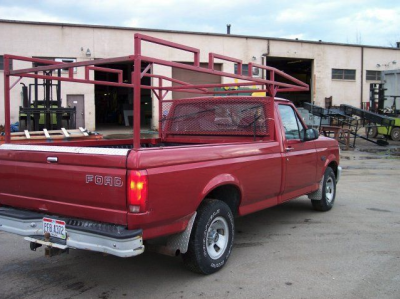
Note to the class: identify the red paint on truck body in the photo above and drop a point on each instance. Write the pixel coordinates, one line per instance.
(186, 162)
(179, 178)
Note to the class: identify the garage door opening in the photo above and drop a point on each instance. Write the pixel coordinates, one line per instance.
(300, 69)
(114, 105)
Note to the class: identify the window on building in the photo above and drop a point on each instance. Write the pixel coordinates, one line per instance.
(341, 74)
(2, 63)
(66, 60)
(245, 70)
(374, 75)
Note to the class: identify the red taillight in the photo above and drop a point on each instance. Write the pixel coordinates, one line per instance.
(137, 191)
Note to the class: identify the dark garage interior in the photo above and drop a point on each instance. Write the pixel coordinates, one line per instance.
(114, 105)
(300, 69)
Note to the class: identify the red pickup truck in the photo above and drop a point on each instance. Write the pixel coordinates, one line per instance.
(217, 157)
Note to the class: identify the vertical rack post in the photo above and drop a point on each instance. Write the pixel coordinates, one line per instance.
(59, 103)
(136, 81)
(160, 112)
(272, 86)
(7, 121)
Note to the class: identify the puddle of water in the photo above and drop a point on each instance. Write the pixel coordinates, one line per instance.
(383, 152)
(377, 157)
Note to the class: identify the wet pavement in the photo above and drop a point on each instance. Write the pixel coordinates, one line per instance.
(289, 251)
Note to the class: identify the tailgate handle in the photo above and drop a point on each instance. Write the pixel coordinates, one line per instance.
(52, 159)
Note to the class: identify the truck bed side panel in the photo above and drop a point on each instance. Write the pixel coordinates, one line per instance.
(175, 191)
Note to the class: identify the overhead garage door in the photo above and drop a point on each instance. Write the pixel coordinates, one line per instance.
(194, 78)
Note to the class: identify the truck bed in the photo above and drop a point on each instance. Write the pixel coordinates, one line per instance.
(69, 187)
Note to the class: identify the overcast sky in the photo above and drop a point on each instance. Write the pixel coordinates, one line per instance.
(369, 22)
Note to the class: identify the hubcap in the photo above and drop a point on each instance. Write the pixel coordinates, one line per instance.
(330, 189)
(217, 238)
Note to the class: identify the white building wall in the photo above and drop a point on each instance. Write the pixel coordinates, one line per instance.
(45, 40)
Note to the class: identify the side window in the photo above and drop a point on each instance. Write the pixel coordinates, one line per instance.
(291, 123)
(301, 127)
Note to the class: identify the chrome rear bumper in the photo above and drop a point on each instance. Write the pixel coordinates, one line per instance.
(87, 235)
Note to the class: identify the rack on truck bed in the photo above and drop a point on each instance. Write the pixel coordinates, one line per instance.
(272, 82)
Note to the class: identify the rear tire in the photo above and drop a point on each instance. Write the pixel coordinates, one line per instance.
(395, 134)
(211, 239)
(328, 192)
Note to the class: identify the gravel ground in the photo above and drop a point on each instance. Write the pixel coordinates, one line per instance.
(289, 251)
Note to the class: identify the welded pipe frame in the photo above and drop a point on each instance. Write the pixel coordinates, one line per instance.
(269, 86)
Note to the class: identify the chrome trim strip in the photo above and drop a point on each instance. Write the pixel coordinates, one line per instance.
(66, 149)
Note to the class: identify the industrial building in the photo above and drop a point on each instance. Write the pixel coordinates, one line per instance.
(337, 73)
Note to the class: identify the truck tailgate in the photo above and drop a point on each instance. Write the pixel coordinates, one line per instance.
(87, 183)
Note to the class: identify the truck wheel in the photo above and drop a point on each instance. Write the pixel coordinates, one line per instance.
(395, 134)
(371, 132)
(211, 239)
(328, 192)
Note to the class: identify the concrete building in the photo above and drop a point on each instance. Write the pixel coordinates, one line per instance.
(342, 72)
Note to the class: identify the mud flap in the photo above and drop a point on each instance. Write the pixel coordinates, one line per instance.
(181, 241)
(317, 195)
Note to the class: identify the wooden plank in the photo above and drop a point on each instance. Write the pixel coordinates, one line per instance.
(52, 137)
(83, 131)
(46, 133)
(65, 132)
(32, 133)
(50, 134)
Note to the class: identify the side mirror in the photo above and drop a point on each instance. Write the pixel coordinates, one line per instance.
(311, 134)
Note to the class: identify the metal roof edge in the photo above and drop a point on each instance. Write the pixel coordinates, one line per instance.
(195, 33)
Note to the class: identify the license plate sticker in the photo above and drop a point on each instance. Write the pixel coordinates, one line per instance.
(56, 228)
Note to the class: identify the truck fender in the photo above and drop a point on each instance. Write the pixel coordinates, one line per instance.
(331, 158)
(328, 160)
(317, 195)
(180, 241)
(219, 180)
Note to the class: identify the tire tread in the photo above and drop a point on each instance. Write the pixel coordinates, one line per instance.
(322, 205)
(191, 257)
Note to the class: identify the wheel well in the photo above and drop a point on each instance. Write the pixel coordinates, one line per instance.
(334, 167)
(229, 194)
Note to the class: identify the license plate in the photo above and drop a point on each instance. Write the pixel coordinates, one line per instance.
(56, 228)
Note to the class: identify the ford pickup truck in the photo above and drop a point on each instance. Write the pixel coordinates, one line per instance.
(216, 158)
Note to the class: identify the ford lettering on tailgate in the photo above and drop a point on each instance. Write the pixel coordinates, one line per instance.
(104, 180)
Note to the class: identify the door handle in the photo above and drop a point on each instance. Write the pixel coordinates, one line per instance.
(52, 159)
(288, 149)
